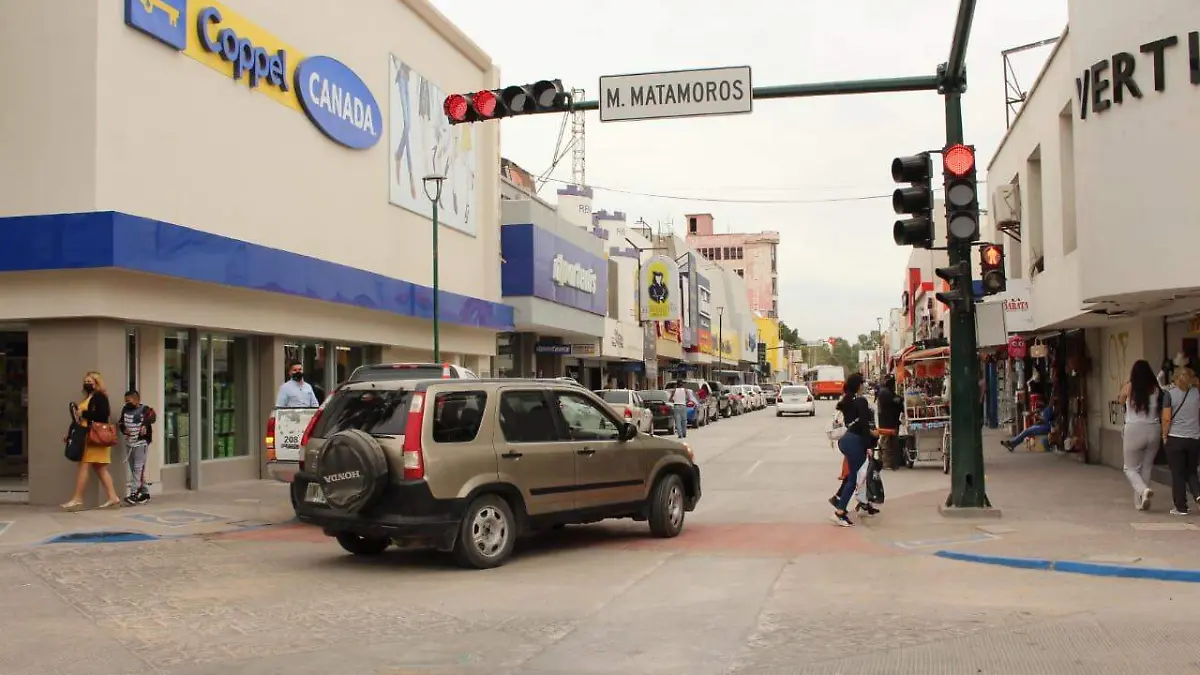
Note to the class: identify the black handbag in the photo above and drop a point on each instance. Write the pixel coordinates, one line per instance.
(76, 442)
(875, 485)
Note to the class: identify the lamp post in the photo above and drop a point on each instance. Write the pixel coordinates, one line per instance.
(720, 339)
(433, 190)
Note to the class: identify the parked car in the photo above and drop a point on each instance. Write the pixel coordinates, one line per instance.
(724, 403)
(761, 395)
(707, 400)
(466, 466)
(662, 411)
(738, 398)
(629, 405)
(796, 400)
(770, 392)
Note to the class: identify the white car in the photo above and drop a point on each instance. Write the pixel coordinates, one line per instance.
(795, 400)
(630, 407)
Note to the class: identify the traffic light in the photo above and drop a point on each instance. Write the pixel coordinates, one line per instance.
(959, 278)
(544, 96)
(915, 200)
(991, 269)
(762, 353)
(962, 198)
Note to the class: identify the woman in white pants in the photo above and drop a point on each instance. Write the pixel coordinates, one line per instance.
(1143, 401)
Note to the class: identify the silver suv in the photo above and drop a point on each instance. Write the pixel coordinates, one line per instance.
(469, 465)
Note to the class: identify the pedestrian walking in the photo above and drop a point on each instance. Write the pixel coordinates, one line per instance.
(891, 407)
(854, 444)
(1181, 438)
(92, 414)
(1144, 403)
(679, 401)
(295, 392)
(136, 426)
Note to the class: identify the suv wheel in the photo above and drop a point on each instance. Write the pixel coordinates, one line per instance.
(666, 507)
(360, 545)
(486, 535)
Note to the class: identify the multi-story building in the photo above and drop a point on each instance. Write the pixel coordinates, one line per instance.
(752, 256)
(186, 225)
(1092, 192)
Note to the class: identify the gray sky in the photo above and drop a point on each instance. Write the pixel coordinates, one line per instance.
(839, 268)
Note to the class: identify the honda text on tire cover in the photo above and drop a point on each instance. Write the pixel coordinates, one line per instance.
(354, 470)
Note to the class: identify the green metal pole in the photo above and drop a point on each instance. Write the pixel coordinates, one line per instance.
(967, 488)
(437, 348)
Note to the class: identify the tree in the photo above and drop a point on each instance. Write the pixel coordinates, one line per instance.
(788, 335)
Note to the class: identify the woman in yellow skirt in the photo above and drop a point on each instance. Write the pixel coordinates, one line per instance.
(94, 408)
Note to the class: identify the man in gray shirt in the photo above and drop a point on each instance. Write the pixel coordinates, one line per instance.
(296, 393)
(1181, 438)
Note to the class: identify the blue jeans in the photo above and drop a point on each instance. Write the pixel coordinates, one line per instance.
(1035, 430)
(680, 420)
(854, 448)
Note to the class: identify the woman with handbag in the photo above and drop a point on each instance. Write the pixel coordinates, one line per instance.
(93, 413)
(855, 442)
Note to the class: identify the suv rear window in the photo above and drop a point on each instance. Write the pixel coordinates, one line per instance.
(398, 372)
(457, 416)
(374, 411)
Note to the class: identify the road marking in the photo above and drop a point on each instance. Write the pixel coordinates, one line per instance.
(752, 468)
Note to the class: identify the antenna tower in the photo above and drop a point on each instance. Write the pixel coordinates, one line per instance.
(578, 147)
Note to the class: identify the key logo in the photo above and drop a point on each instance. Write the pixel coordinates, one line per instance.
(162, 20)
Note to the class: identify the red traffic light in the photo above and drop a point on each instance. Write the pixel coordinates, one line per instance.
(484, 103)
(456, 107)
(958, 159)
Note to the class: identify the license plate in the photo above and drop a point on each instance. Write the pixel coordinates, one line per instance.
(792, 400)
(314, 494)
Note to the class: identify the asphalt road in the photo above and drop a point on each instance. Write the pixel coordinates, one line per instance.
(760, 582)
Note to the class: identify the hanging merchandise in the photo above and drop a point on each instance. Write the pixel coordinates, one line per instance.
(1039, 350)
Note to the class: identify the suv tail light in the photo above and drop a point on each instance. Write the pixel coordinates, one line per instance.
(270, 439)
(308, 430)
(810, 397)
(628, 414)
(414, 457)
(446, 371)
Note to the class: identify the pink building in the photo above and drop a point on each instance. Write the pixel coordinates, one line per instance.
(751, 256)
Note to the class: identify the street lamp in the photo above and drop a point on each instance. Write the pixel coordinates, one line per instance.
(720, 338)
(433, 190)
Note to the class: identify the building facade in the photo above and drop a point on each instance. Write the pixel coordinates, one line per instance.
(1091, 191)
(203, 192)
(751, 256)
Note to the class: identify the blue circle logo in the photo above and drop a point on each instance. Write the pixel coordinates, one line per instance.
(338, 102)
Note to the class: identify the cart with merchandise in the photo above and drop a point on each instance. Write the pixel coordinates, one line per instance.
(921, 378)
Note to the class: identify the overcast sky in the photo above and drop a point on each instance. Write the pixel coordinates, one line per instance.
(839, 268)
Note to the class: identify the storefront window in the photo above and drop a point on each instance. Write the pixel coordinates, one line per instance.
(349, 358)
(222, 388)
(14, 406)
(175, 398)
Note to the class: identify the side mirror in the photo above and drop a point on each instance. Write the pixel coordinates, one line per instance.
(628, 432)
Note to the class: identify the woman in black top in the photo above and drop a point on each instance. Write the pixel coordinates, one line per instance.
(854, 445)
(93, 409)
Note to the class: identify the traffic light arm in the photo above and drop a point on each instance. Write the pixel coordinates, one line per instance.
(876, 86)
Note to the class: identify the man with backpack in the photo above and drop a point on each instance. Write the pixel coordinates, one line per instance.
(136, 426)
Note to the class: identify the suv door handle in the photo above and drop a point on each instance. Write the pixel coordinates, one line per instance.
(513, 455)
(586, 451)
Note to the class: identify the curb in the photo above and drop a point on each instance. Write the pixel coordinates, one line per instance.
(1076, 567)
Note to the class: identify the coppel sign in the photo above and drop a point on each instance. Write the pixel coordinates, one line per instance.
(334, 97)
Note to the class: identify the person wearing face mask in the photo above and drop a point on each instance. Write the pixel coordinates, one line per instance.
(296, 393)
(93, 411)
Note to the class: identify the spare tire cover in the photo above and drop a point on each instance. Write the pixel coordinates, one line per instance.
(353, 470)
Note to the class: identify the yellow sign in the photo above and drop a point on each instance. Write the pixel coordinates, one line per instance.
(730, 347)
(231, 44)
(659, 288)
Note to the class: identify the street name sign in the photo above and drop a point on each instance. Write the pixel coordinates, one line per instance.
(676, 93)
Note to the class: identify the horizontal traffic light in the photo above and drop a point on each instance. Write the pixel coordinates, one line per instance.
(543, 96)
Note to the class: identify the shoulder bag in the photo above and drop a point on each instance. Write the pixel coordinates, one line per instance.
(74, 442)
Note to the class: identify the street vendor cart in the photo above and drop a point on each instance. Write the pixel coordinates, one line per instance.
(922, 380)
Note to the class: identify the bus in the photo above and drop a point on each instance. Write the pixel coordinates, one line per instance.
(827, 381)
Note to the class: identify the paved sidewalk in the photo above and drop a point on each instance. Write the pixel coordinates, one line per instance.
(225, 508)
(1053, 507)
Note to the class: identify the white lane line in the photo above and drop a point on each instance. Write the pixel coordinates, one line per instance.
(752, 468)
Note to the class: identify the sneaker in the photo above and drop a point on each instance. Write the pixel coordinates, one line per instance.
(1147, 495)
(131, 500)
(1177, 512)
(867, 508)
(1008, 444)
(842, 520)
(142, 498)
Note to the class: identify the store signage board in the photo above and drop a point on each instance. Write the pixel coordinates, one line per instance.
(989, 324)
(676, 93)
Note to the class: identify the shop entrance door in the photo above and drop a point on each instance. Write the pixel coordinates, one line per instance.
(14, 416)
(224, 393)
